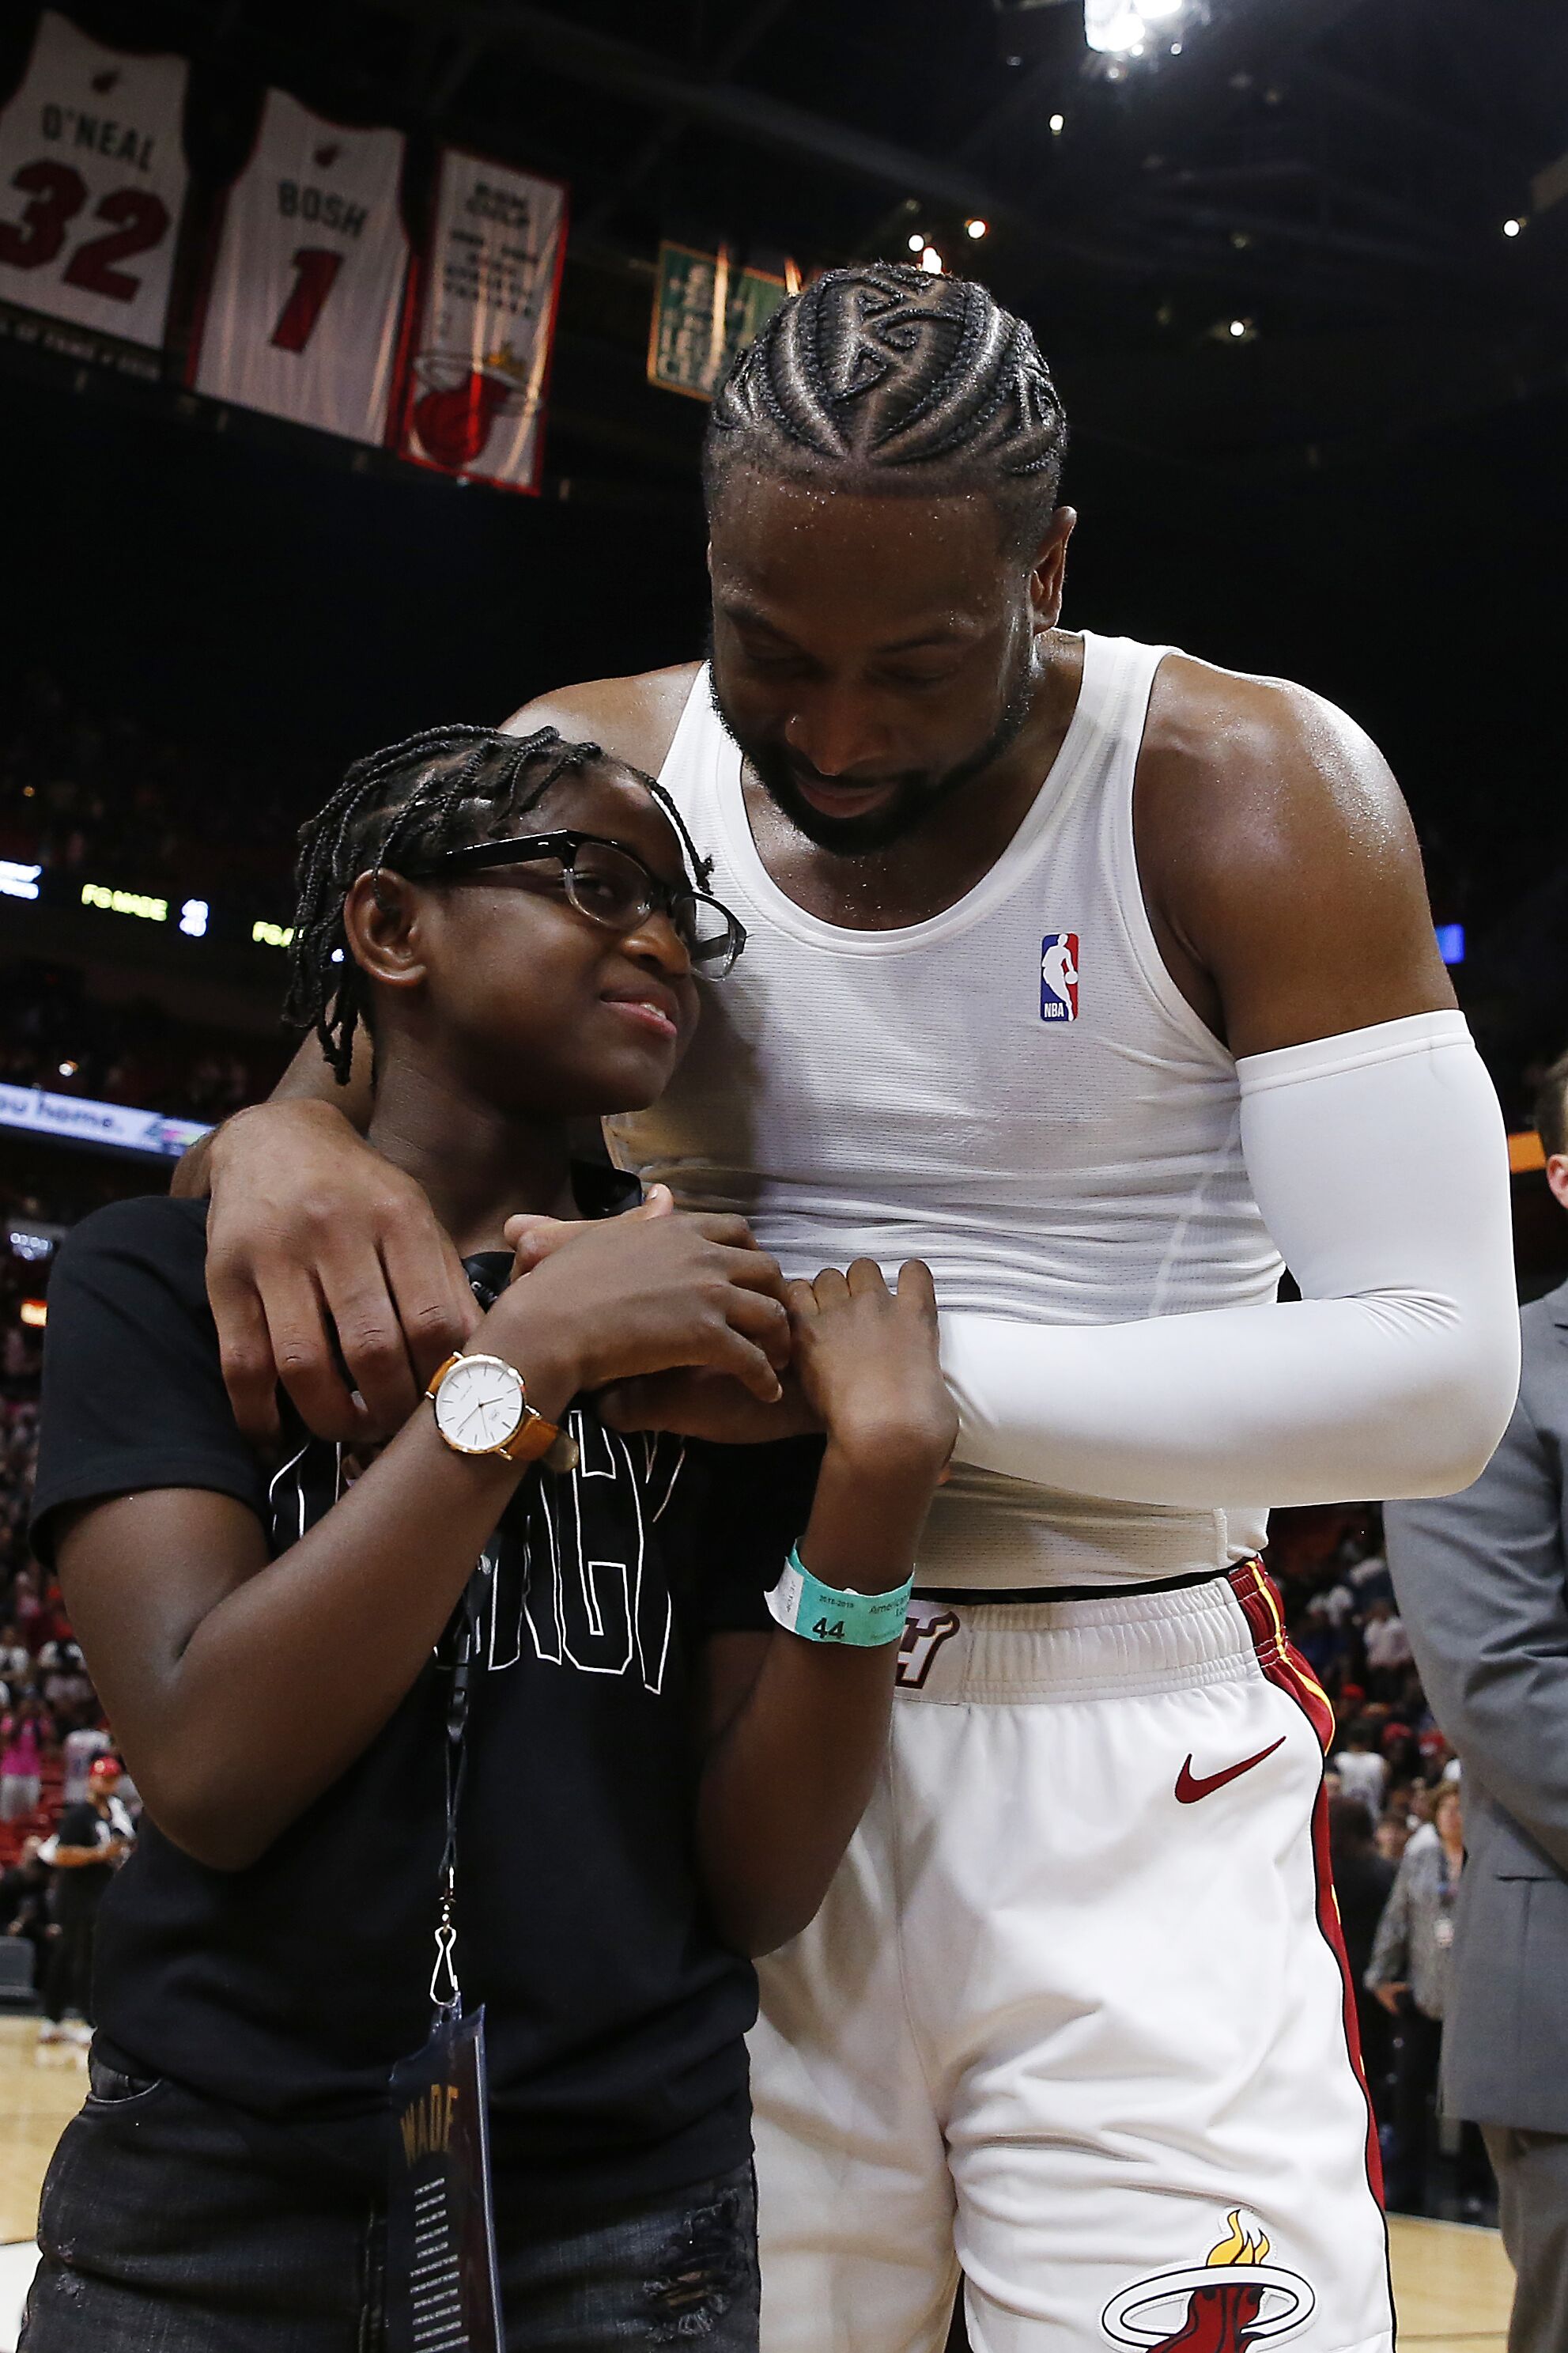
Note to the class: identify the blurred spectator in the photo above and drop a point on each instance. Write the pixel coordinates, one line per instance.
(1392, 1835)
(24, 1903)
(92, 1839)
(1362, 1879)
(66, 1683)
(1362, 1773)
(1420, 1818)
(1387, 1647)
(21, 1758)
(1409, 1973)
(79, 1750)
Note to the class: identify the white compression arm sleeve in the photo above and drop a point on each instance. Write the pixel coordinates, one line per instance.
(1379, 1162)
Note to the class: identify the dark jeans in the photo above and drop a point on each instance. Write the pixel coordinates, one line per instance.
(161, 2234)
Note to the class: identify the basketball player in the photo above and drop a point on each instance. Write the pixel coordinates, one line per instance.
(1074, 2017)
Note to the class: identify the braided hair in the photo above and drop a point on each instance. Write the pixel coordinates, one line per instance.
(445, 788)
(891, 379)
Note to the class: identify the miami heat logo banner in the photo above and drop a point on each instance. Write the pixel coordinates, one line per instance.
(302, 310)
(474, 403)
(92, 180)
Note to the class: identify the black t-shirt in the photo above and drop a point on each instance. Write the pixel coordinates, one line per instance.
(78, 1891)
(289, 1989)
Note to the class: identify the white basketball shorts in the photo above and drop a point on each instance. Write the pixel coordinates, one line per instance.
(1075, 2015)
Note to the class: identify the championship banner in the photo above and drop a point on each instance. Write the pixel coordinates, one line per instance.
(704, 310)
(92, 180)
(474, 404)
(302, 310)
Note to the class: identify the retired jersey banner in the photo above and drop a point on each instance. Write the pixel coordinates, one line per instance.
(92, 181)
(474, 404)
(704, 310)
(306, 294)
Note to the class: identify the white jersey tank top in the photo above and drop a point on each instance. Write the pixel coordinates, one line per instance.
(1015, 1090)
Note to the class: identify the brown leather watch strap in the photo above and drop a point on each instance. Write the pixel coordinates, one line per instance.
(534, 1438)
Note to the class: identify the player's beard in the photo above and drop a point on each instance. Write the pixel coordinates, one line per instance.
(917, 793)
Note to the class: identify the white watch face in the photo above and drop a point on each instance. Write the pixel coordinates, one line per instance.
(479, 1405)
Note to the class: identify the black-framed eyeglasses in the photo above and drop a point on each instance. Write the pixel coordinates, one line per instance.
(611, 886)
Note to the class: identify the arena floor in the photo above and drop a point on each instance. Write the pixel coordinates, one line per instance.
(1453, 2285)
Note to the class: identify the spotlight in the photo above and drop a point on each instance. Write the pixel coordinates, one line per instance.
(917, 243)
(976, 228)
(67, 1070)
(1513, 227)
(1117, 27)
(931, 260)
(1058, 125)
(1238, 331)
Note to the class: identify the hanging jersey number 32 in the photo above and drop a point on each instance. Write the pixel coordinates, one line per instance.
(1059, 976)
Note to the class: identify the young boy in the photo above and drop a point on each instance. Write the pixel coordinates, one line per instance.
(659, 1768)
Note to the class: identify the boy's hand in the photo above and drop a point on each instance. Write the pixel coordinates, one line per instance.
(868, 1367)
(627, 1296)
(708, 1405)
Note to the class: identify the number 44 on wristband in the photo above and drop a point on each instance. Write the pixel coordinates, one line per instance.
(803, 1605)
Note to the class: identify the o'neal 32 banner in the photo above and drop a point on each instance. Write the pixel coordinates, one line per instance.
(474, 404)
(302, 314)
(92, 180)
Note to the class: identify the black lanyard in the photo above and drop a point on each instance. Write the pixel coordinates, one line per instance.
(445, 1992)
(443, 2291)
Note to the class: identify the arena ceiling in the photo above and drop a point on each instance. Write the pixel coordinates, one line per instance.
(1281, 247)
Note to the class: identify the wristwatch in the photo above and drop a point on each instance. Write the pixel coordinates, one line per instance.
(481, 1407)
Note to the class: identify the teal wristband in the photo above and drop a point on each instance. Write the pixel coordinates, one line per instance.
(803, 1605)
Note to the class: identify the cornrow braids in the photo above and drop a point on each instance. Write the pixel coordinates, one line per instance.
(892, 379)
(445, 788)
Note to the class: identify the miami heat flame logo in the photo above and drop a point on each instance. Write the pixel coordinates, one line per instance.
(453, 416)
(1234, 2300)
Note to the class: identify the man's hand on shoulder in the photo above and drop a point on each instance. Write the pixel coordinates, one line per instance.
(311, 1234)
(634, 718)
(1279, 864)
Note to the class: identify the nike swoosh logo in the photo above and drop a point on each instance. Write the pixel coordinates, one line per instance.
(1191, 1787)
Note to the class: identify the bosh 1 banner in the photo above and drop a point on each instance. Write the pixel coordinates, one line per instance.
(92, 181)
(474, 402)
(306, 293)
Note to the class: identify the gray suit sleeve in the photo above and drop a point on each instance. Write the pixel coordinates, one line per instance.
(1479, 1579)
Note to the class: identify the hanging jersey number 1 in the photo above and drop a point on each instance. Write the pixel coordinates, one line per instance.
(306, 291)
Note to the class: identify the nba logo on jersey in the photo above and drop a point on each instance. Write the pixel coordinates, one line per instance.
(1059, 976)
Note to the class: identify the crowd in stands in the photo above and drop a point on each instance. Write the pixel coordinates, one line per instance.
(1396, 1840)
(59, 1777)
(61, 1038)
(86, 788)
